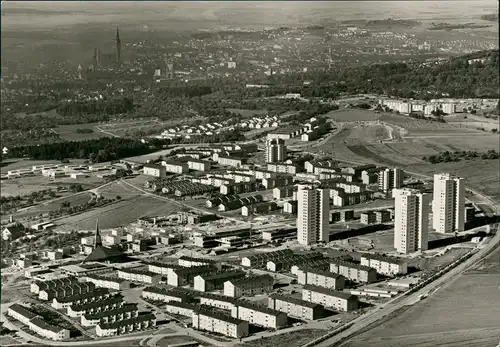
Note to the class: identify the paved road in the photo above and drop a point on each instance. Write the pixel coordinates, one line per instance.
(390, 307)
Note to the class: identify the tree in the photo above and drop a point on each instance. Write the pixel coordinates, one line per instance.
(118, 197)
(65, 204)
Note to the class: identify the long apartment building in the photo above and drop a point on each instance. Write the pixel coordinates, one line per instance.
(166, 295)
(65, 302)
(320, 278)
(448, 206)
(209, 282)
(411, 220)
(330, 298)
(139, 276)
(37, 324)
(354, 272)
(260, 260)
(248, 286)
(107, 282)
(164, 269)
(180, 308)
(260, 315)
(218, 301)
(218, 323)
(185, 261)
(107, 304)
(312, 215)
(127, 311)
(295, 308)
(385, 265)
(138, 323)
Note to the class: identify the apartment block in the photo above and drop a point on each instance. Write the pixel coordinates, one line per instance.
(275, 150)
(209, 282)
(260, 315)
(107, 282)
(166, 295)
(155, 170)
(176, 167)
(320, 278)
(385, 265)
(295, 308)
(221, 324)
(411, 220)
(180, 308)
(37, 324)
(448, 206)
(388, 179)
(248, 286)
(261, 259)
(354, 272)
(368, 217)
(330, 298)
(312, 215)
(218, 301)
(139, 276)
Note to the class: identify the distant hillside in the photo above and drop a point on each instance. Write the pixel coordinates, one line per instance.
(454, 77)
(490, 17)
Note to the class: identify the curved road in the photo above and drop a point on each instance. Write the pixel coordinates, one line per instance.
(391, 306)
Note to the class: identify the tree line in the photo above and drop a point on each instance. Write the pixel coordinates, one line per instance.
(446, 157)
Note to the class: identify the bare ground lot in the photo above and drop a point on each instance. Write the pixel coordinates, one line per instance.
(353, 115)
(461, 315)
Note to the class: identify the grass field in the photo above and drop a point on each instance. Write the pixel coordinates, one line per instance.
(366, 143)
(293, 339)
(120, 213)
(353, 115)
(172, 340)
(69, 133)
(463, 314)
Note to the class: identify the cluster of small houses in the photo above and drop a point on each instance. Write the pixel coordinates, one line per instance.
(76, 172)
(188, 131)
(260, 122)
(92, 293)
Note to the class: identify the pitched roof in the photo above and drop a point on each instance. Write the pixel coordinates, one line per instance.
(141, 318)
(125, 308)
(219, 316)
(22, 310)
(261, 278)
(102, 253)
(223, 275)
(84, 307)
(39, 322)
(258, 308)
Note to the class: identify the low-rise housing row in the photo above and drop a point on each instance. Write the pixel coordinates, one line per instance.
(295, 308)
(209, 282)
(138, 323)
(218, 323)
(260, 315)
(330, 298)
(126, 311)
(354, 272)
(248, 286)
(139, 276)
(320, 278)
(385, 265)
(107, 282)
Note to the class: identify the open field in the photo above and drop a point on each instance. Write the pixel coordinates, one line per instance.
(69, 133)
(120, 213)
(489, 265)
(74, 200)
(293, 339)
(473, 121)
(463, 314)
(483, 175)
(27, 185)
(353, 115)
(366, 143)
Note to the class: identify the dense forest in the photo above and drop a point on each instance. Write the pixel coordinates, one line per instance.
(454, 77)
(99, 150)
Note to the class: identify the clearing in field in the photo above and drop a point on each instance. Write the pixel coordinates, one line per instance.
(70, 133)
(463, 314)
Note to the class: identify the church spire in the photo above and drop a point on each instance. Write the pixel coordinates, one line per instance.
(118, 46)
(98, 241)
